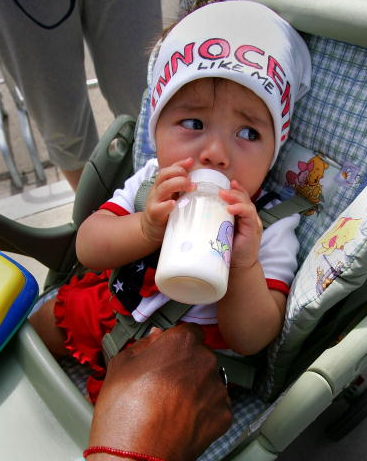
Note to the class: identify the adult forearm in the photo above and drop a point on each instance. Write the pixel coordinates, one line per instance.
(140, 408)
(250, 315)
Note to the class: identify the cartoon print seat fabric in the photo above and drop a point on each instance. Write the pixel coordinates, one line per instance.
(326, 161)
(328, 275)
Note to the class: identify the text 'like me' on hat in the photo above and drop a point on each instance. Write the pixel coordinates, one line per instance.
(242, 41)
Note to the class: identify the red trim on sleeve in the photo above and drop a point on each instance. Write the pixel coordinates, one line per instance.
(114, 208)
(277, 285)
(212, 337)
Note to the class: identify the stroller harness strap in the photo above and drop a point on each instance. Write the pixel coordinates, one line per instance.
(295, 204)
(127, 329)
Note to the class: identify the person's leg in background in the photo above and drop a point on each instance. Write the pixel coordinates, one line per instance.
(48, 67)
(120, 35)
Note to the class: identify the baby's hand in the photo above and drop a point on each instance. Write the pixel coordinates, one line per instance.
(170, 182)
(248, 226)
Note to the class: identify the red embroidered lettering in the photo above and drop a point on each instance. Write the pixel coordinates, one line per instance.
(163, 80)
(187, 58)
(273, 73)
(242, 50)
(153, 102)
(285, 128)
(287, 98)
(224, 49)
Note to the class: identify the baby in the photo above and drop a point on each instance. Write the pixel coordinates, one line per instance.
(224, 86)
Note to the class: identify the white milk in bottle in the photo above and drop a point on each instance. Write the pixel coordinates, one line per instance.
(193, 266)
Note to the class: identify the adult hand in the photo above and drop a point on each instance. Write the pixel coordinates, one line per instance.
(163, 397)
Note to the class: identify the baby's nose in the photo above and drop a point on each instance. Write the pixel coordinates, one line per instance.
(215, 153)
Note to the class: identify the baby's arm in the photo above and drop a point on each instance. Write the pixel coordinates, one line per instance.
(250, 315)
(106, 241)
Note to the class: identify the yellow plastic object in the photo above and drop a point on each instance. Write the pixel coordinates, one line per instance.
(18, 292)
(12, 282)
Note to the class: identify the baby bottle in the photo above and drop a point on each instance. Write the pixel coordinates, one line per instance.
(194, 262)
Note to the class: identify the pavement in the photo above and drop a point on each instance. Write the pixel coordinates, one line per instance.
(51, 204)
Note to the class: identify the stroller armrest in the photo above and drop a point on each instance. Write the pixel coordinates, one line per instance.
(340, 364)
(310, 395)
(50, 246)
(40, 403)
(110, 164)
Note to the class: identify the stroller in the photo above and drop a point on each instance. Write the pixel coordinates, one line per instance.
(323, 345)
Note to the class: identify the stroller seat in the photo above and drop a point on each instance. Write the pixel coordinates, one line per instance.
(328, 137)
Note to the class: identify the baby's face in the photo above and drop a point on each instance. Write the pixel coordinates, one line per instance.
(221, 125)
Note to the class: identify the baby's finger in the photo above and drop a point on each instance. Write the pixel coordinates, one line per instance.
(243, 210)
(160, 210)
(234, 195)
(166, 189)
(187, 163)
(180, 168)
(237, 186)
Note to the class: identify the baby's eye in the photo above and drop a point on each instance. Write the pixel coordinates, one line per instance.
(248, 133)
(192, 124)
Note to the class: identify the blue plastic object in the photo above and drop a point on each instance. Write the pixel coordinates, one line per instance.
(18, 292)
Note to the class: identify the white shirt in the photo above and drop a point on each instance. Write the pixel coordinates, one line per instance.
(277, 254)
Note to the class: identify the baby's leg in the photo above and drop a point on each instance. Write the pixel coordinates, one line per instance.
(44, 322)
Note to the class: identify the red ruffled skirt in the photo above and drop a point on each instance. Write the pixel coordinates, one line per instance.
(86, 310)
